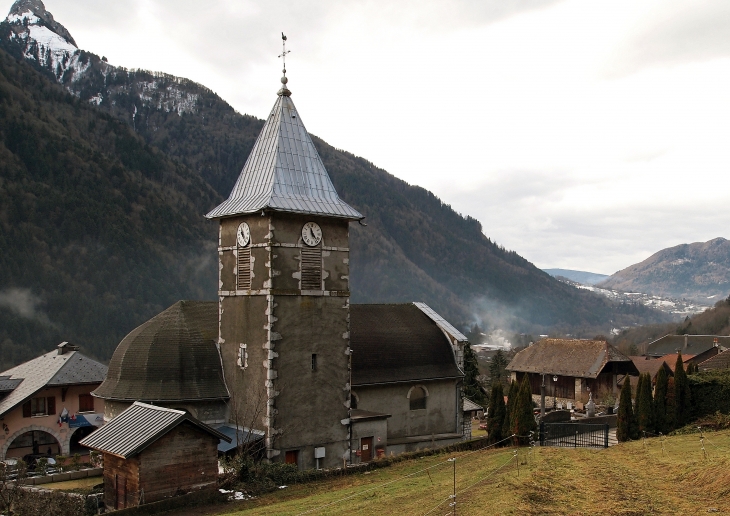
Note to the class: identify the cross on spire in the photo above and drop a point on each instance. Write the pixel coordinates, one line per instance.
(284, 90)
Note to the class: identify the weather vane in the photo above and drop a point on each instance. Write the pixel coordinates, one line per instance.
(284, 52)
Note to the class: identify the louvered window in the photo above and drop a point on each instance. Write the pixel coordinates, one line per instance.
(243, 279)
(311, 265)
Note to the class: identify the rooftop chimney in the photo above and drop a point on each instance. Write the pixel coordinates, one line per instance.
(65, 347)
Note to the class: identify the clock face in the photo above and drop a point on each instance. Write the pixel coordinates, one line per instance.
(243, 235)
(311, 233)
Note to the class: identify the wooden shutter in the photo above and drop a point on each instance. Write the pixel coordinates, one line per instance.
(86, 403)
(311, 268)
(51, 405)
(26, 409)
(243, 278)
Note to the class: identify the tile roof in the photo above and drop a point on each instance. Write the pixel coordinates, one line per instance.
(398, 343)
(671, 360)
(564, 357)
(171, 357)
(138, 426)
(719, 361)
(71, 368)
(650, 365)
(692, 344)
(284, 172)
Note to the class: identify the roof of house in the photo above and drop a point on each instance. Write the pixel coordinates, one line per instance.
(470, 406)
(284, 172)
(171, 357)
(51, 369)
(238, 435)
(564, 357)
(650, 365)
(441, 322)
(138, 426)
(671, 360)
(719, 361)
(398, 343)
(687, 344)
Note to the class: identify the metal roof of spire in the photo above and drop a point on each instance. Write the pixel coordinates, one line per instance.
(284, 171)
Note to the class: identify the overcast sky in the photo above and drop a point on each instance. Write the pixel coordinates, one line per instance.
(583, 135)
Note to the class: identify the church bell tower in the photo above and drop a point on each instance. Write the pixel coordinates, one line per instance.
(284, 296)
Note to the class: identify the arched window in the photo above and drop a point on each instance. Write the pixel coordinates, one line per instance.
(417, 397)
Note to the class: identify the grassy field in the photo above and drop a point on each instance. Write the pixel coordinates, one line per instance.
(73, 485)
(629, 479)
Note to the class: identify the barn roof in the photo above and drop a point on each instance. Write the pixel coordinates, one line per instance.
(138, 426)
(171, 357)
(50, 369)
(687, 344)
(398, 343)
(564, 357)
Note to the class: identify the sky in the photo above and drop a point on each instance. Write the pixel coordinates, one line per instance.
(583, 135)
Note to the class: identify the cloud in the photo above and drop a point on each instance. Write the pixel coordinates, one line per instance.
(672, 33)
(22, 302)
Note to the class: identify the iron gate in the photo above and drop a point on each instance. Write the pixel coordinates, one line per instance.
(574, 435)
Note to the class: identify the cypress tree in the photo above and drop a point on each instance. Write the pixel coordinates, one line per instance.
(523, 422)
(625, 418)
(511, 397)
(681, 393)
(497, 410)
(671, 414)
(660, 401)
(472, 388)
(644, 405)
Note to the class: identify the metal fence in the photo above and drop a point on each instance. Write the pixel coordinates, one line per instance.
(574, 435)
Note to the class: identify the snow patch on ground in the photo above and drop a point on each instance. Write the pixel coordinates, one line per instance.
(170, 98)
(96, 99)
(672, 306)
(49, 39)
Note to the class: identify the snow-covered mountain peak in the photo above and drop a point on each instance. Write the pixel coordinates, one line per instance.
(33, 13)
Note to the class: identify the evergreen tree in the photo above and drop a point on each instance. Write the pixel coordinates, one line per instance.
(644, 405)
(497, 409)
(660, 401)
(671, 404)
(498, 367)
(472, 388)
(511, 398)
(681, 393)
(523, 422)
(625, 421)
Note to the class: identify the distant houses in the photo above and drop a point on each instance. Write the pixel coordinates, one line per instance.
(687, 345)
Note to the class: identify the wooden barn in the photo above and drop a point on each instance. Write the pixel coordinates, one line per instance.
(572, 368)
(151, 453)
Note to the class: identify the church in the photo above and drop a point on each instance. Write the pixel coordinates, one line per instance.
(282, 356)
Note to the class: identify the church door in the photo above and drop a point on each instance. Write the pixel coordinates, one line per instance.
(366, 449)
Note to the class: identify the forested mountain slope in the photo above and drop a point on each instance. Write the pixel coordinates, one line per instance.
(104, 193)
(699, 271)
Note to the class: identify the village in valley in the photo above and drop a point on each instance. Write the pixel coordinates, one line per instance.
(319, 377)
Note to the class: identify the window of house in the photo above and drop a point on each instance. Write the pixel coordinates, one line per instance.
(40, 406)
(314, 361)
(418, 398)
(86, 403)
(353, 400)
(242, 356)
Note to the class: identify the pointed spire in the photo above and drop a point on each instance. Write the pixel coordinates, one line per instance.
(284, 171)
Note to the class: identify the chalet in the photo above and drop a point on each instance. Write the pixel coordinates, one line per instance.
(46, 406)
(571, 368)
(151, 453)
(686, 344)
